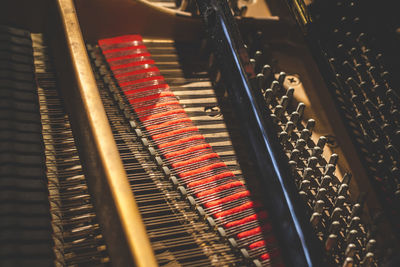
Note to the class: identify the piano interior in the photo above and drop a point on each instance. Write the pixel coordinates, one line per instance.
(199, 133)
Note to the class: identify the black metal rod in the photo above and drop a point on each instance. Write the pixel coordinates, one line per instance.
(298, 242)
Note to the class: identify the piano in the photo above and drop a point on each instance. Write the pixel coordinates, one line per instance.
(199, 133)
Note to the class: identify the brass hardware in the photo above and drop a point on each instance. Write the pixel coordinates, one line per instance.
(117, 211)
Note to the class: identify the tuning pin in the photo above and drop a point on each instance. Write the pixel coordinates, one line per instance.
(293, 165)
(316, 151)
(305, 134)
(334, 227)
(326, 180)
(348, 262)
(252, 62)
(268, 96)
(346, 178)
(310, 125)
(356, 210)
(283, 137)
(365, 87)
(319, 206)
(267, 71)
(362, 71)
(312, 162)
(331, 242)
(375, 74)
(294, 117)
(370, 57)
(308, 172)
(275, 87)
(359, 103)
(294, 155)
(289, 127)
(281, 78)
(384, 109)
(354, 223)
(300, 144)
(336, 214)
(354, 86)
(350, 250)
(289, 93)
(300, 109)
(315, 219)
(279, 111)
(348, 68)
(371, 245)
(365, 125)
(284, 102)
(355, 53)
(320, 193)
(257, 55)
(368, 260)
(393, 152)
(386, 77)
(260, 81)
(304, 196)
(351, 236)
(305, 185)
(343, 190)
(322, 142)
(396, 116)
(362, 39)
(393, 95)
(329, 169)
(333, 159)
(339, 201)
(333, 64)
(274, 118)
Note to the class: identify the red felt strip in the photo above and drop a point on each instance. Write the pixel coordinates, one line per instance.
(151, 97)
(154, 106)
(179, 131)
(135, 72)
(194, 160)
(230, 198)
(121, 39)
(270, 240)
(147, 88)
(211, 179)
(149, 79)
(219, 188)
(257, 244)
(186, 150)
(253, 217)
(265, 256)
(203, 169)
(129, 57)
(254, 231)
(132, 64)
(160, 115)
(181, 141)
(245, 206)
(126, 48)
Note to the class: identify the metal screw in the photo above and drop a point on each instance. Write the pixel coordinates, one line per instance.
(293, 80)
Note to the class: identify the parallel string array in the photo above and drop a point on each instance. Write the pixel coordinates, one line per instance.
(190, 162)
(76, 232)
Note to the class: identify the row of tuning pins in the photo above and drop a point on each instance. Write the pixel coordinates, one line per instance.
(367, 95)
(238, 9)
(337, 221)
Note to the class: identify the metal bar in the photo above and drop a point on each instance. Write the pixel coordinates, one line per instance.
(123, 229)
(298, 242)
